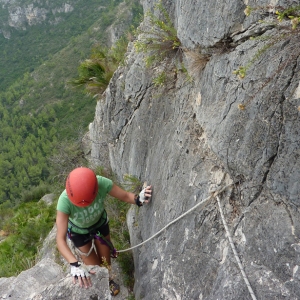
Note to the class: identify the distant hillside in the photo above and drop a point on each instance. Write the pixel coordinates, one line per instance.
(32, 32)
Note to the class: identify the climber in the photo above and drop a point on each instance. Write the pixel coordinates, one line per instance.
(81, 216)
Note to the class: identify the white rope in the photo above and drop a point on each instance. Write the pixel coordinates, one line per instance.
(234, 251)
(215, 194)
(181, 216)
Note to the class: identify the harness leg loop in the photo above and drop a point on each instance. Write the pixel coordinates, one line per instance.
(90, 251)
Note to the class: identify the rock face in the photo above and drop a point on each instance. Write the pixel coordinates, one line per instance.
(187, 137)
(65, 289)
(47, 281)
(31, 281)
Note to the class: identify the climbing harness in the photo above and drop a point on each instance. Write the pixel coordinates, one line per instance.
(98, 236)
(94, 236)
(90, 251)
(89, 229)
(103, 240)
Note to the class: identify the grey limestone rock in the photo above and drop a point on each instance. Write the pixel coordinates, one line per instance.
(47, 281)
(186, 138)
(65, 289)
(50, 279)
(30, 282)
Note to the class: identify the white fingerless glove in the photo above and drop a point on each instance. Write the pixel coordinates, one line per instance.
(140, 199)
(78, 269)
(142, 196)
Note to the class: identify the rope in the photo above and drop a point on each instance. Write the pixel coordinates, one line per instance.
(234, 251)
(181, 216)
(215, 194)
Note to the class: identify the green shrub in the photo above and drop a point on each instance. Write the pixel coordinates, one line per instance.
(96, 72)
(160, 79)
(26, 229)
(35, 193)
(292, 13)
(132, 183)
(160, 41)
(288, 36)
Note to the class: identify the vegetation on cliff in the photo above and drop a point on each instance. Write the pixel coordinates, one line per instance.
(43, 119)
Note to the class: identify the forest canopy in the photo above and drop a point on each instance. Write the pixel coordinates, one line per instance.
(42, 117)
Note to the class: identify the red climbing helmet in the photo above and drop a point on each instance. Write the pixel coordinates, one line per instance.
(82, 186)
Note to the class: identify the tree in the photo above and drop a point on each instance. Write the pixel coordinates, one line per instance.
(34, 174)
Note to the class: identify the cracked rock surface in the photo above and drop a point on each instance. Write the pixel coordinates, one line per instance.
(187, 137)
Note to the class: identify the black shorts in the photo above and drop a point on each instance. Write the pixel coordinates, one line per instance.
(80, 240)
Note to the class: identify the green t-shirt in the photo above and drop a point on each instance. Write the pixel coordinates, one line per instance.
(85, 217)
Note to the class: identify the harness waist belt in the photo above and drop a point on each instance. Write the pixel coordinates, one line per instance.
(89, 229)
